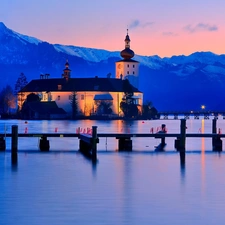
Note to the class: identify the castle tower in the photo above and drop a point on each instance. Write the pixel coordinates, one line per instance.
(66, 71)
(127, 68)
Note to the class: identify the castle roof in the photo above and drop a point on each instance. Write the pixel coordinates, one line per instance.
(127, 53)
(77, 85)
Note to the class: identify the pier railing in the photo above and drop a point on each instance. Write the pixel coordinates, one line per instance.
(88, 142)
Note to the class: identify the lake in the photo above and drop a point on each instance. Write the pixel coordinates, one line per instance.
(139, 187)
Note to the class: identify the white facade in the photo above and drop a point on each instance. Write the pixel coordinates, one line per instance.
(85, 100)
(128, 70)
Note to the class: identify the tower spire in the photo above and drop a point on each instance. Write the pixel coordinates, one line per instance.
(127, 53)
(127, 40)
(66, 71)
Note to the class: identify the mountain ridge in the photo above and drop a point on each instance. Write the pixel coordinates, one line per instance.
(168, 82)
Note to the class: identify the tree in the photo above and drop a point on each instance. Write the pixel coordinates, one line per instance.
(148, 111)
(103, 106)
(20, 84)
(127, 105)
(7, 100)
(32, 98)
(74, 104)
(25, 107)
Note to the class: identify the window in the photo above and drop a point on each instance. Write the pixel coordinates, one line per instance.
(82, 97)
(133, 72)
(127, 72)
(59, 87)
(58, 97)
(127, 65)
(133, 66)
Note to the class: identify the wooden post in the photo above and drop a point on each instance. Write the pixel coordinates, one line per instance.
(2, 144)
(163, 139)
(217, 144)
(183, 134)
(161, 146)
(182, 141)
(44, 144)
(94, 143)
(214, 131)
(14, 143)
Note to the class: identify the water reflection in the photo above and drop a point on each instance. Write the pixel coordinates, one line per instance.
(94, 167)
(14, 161)
(182, 164)
(93, 163)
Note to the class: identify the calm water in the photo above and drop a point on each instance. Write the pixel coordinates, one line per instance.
(140, 187)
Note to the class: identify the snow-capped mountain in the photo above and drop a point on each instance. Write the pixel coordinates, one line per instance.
(175, 83)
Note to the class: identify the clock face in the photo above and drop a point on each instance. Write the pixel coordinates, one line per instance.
(119, 66)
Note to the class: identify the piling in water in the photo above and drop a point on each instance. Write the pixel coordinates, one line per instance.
(14, 143)
(44, 144)
(94, 143)
(2, 144)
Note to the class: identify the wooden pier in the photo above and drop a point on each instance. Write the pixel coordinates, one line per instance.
(88, 142)
(192, 114)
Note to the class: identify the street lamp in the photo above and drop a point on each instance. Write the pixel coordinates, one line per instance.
(202, 107)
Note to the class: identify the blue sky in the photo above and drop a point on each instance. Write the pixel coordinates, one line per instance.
(156, 27)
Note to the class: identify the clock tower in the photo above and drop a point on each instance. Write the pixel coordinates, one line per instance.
(127, 68)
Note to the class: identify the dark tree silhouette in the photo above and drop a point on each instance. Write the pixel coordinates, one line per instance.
(103, 106)
(25, 107)
(32, 98)
(20, 84)
(74, 104)
(127, 105)
(7, 100)
(148, 111)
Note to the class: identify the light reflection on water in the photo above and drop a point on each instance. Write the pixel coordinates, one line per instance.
(140, 187)
(117, 126)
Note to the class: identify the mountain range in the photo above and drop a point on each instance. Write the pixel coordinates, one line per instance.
(170, 83)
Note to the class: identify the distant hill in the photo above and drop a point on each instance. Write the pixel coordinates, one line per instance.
(175, 83)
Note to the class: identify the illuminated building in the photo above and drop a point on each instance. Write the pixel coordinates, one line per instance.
(89, 90)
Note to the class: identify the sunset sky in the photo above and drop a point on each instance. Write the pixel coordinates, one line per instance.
(156, 27)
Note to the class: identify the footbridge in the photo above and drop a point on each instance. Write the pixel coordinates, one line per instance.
(191, 114)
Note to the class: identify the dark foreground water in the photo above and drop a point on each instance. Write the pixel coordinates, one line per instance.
(140, 187)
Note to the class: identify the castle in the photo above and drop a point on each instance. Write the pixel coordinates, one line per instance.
(56, 94)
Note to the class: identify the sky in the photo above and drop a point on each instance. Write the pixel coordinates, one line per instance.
(156, 27)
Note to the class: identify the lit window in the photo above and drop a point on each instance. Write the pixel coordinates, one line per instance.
(59, 87)
(58, 97)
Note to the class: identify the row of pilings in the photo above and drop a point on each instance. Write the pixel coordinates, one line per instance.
(180, 143)
(88, 143)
